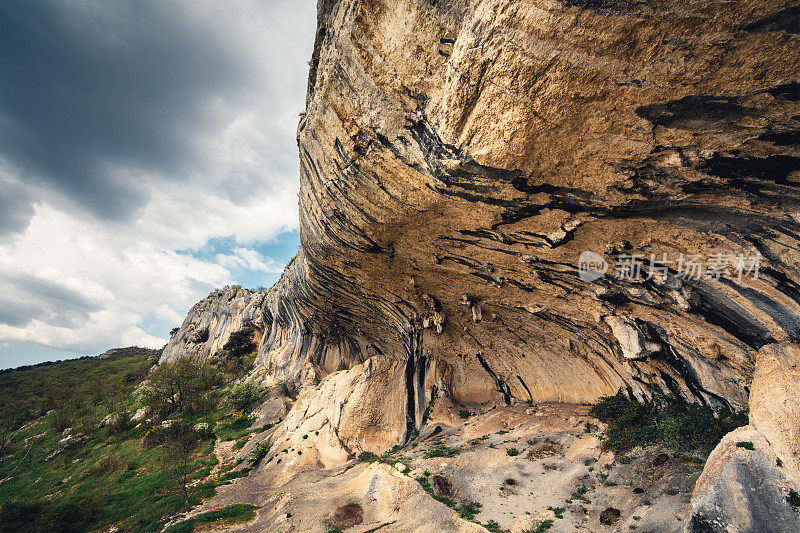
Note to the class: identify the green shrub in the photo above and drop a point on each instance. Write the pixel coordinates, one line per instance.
(239, 420)
(245, 395)
(470, 510)
(541, 527)
(240, 343)
(440, 450)
(464, 413)
(793, 498)
(186, 385)
(664, 420)
(494, 527)
(747, 445)
(512, 452)
(201, 336)
(367, 457)
(258, 452)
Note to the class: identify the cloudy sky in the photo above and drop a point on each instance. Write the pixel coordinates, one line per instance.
(147, 156)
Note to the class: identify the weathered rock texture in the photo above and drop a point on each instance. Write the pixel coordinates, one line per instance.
(457, 157)
(210, 322)
(746, 481)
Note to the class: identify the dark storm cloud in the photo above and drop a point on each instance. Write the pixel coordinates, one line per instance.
(15, 207)
(27, 298)
(94, 95)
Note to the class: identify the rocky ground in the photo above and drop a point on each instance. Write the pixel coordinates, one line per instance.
(523, 465)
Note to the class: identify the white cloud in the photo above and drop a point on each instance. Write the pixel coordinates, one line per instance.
(250, 260)
(77, 281)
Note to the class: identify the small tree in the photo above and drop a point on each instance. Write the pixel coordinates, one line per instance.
(237, 350)
(240, 343)
(180, 441)
(184, 385)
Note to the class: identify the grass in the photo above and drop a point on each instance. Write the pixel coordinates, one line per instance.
(665, 420)
(541, 527)
(494, 527)
(112, 478)
(467, 511)
(440, 450)
(233, 514)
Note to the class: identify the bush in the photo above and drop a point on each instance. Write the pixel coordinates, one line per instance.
(240, 343)
(440, 450)
(367, 457)
(201, 336)
(121, 424)
(62, 419)
(239, 420)
(541, 527)
(470, 510)
(258, 452)
(512, 452)
(245, 395)
(184, 385)
(153, 437)
(664, 420)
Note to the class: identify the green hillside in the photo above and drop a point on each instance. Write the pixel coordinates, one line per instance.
(127, 474)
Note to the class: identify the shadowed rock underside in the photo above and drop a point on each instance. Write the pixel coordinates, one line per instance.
(457, 157)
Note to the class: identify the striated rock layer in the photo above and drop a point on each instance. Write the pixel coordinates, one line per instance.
(210, 322)
(458, 156)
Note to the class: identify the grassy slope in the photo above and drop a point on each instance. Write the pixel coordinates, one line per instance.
(109, 479)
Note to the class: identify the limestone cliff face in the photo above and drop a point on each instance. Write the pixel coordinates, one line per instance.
(210, 322)
(458, 156)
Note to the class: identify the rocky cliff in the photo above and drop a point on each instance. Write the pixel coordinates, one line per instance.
(543, 201)
(458, 157)
(210, 322)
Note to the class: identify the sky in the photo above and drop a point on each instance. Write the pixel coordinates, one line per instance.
(147, 156)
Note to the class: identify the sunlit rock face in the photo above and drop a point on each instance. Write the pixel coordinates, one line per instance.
(210, 322)
(458, 156)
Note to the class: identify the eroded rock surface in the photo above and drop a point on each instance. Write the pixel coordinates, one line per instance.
(457, 157)
(210, 322)
(559, 473)
(746, 482)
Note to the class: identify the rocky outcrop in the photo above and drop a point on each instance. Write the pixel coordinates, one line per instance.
(458, 157)
(542, 201)
(742, 490)
(210, 322)
(746, 481)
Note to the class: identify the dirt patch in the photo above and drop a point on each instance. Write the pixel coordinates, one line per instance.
(347, 516)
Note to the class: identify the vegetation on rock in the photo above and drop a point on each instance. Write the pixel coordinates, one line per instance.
(664, 420)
